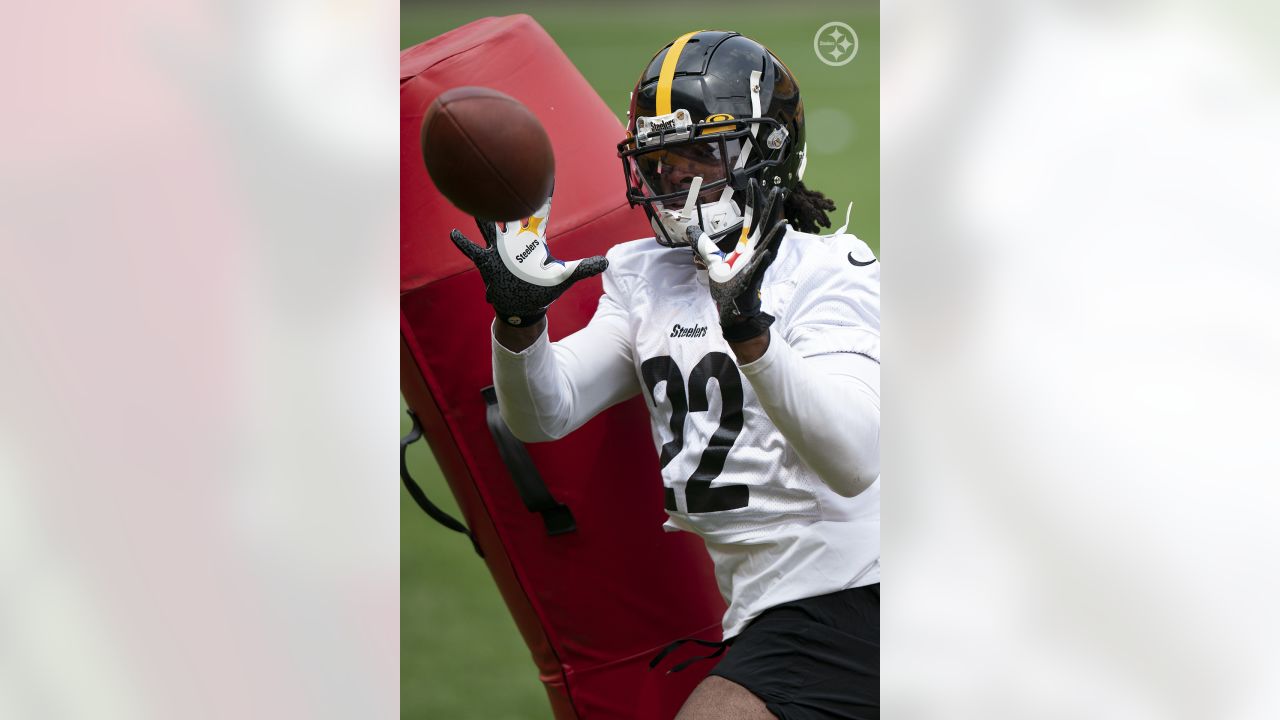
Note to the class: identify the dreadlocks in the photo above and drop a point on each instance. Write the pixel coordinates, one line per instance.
(806, 210)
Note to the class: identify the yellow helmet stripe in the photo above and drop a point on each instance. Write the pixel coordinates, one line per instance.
(668, 72)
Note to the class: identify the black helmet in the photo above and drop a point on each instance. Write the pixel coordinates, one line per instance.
(715, 106)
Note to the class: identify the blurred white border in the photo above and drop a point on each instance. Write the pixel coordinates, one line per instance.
(1080, 243)
(198, 254)
(197, 263)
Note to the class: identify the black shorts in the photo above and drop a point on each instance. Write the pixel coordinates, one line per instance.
(813, 658)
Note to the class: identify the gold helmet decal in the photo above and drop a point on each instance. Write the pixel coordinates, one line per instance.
(718, 117)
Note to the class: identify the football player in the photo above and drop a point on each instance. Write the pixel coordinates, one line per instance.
(756, 344)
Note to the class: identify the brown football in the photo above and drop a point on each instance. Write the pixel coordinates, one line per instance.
(487, 154)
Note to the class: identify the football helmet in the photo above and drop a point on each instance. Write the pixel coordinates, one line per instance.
(711, 111)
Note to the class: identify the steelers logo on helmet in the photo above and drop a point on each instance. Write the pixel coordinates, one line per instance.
(711, 111)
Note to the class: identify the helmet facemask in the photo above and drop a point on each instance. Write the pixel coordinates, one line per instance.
(687, 173)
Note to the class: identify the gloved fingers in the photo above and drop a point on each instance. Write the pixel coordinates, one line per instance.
(722, 272)
(761, 197)
(769, 255)
(757, 272)
(773, 238)
(765, 202)
(488, 231)
(752, 211)
(462, 242)
(755, 193)
(758, 256)
(708, 252)
(588, 267)
(766, 206)
(775, 204)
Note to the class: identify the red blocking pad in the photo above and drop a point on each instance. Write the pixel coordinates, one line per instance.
(597, 603)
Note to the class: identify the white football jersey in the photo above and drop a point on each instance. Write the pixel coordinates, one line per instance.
(775, 531)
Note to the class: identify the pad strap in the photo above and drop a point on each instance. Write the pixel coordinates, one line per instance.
(556, 516)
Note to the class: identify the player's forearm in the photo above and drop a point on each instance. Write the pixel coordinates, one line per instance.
(531, 396)
(828, 408)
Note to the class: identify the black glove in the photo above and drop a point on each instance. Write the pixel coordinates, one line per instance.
(735, 277)
(521, 278)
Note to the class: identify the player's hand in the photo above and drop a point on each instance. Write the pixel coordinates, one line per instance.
(521, 277)
(735, 276)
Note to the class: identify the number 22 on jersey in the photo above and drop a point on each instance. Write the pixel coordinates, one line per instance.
(700, 497)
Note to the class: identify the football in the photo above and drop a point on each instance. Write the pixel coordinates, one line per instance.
(487, 153)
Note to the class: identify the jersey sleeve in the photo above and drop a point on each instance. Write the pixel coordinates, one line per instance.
(828, 408)
(548, 390)
(835, 307)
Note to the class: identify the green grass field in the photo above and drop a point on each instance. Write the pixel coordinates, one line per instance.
(460, 654)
